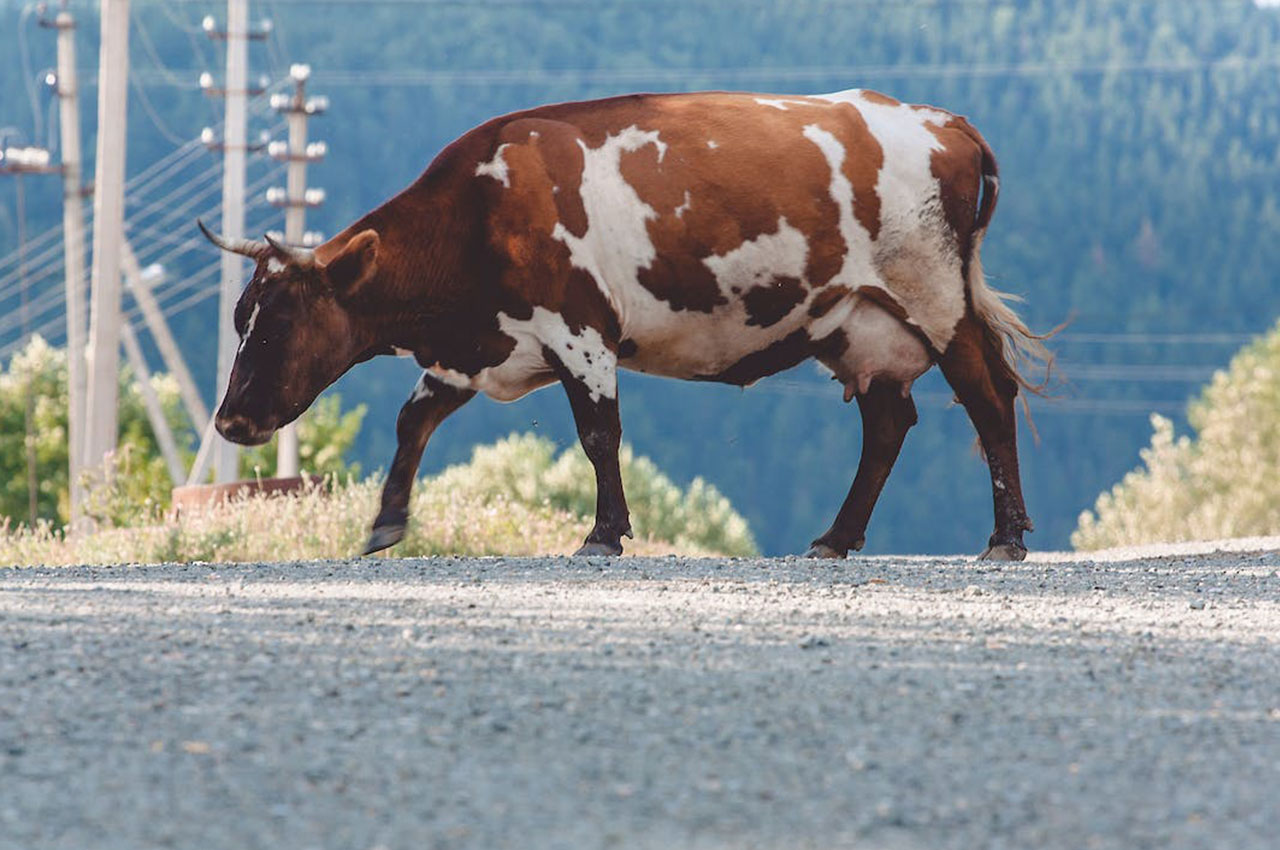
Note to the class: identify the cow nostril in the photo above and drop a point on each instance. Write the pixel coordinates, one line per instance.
(232, 427)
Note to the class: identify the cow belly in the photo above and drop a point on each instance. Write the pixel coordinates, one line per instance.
(857, 339)
(698, 347)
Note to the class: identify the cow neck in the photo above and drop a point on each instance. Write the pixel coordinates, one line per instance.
(417, 256)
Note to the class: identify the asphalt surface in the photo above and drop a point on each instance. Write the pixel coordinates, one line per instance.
(1129, 702)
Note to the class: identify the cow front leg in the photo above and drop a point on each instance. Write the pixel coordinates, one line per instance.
(431, 402)
(887, 415)
(592, 387)
(975, 370)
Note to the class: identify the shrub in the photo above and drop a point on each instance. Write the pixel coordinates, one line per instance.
(514, 498)
(1223, 483)
(524, 469)
(134, 487)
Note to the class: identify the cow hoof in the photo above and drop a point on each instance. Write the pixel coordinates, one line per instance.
(598, 549)
(1004, 552)
(822, 550)
(382, 537)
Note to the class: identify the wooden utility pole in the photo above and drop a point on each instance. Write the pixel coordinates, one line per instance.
(139, 285)
(295, 199)
(108, 234)
(226, 455)
(73, 252)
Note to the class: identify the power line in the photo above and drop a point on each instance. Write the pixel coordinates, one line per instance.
(750, 74)
(1158, 339)
(539, 5)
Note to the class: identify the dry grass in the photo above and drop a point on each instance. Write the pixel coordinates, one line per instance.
(322, 522)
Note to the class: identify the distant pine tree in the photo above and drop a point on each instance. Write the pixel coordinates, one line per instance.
(1223, 483)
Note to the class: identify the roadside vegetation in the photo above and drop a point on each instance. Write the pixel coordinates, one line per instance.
(1223, 482)
(518, 496)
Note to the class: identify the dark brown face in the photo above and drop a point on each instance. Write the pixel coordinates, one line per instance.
(297, 336)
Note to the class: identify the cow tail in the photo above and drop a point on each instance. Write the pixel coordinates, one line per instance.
(1018, 349)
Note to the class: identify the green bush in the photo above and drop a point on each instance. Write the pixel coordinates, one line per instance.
(514, 498)
(134, 486)
(1223, 483)
(524, 469)
(37, 375)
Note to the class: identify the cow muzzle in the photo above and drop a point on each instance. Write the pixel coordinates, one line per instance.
(242, 430)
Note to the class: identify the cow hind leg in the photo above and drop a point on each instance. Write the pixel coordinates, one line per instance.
(595, 413)
(887, 415)
(431, 402)
(975, 369)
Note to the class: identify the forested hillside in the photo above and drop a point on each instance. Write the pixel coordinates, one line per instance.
(1138, 144)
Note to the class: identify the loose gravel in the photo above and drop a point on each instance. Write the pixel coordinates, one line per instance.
(903, 704)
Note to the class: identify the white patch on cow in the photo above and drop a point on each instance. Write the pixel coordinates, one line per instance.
(616, 244)
(452, 377)
(401, 352)
(422, 389)
(713, 144)
(534, 134)
(915, 251)
(275, 265)
(496, 167)
(760, 261)
(685, 206)
(248, 326)
(526, 368)
(780, 102)
(857, 268)
(585, 354)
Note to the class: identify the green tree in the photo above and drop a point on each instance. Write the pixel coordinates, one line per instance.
(1224, 482)
(37, 379)
(137, 485)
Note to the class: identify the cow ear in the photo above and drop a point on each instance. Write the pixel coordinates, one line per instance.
(355, 266)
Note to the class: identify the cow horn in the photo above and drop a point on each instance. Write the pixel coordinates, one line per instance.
(303, 258)
(243, 247)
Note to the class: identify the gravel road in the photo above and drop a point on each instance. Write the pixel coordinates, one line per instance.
(1130, 701)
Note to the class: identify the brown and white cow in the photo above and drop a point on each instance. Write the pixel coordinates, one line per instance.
(713, 236)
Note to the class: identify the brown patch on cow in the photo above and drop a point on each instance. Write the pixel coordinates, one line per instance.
(769, 304)
(739, 191)
(794, 348)
(556, 144)
(544, 170)
(876, 97)
(884, 300)
(957, 166)
(466, 347)
(826, 299)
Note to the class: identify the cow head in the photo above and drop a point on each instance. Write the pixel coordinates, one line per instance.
(300, 328)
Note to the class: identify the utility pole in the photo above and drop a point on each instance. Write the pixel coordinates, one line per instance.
(108, 234)
(19, 161)
(72, 248)
(295, 198)
(234, 148)
(226, 455)
(138, 280)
